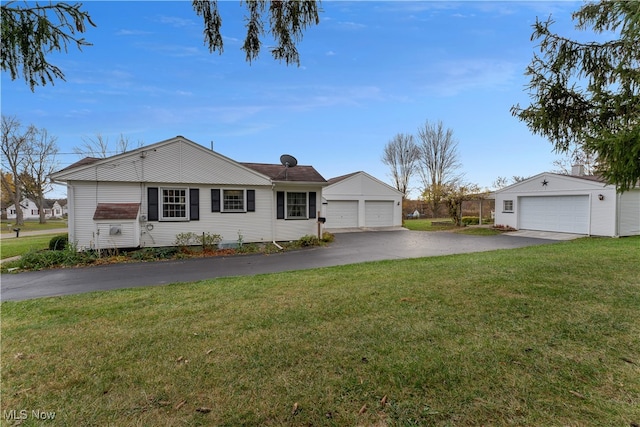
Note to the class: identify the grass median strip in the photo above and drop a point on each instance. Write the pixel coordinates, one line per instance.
(545, 335)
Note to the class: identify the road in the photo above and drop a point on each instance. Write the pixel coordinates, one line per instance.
(348, 248)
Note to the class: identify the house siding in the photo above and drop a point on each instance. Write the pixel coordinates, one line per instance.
(253, 226)
(293, 229)
(629, 215)
(173, 161)
(84, 198)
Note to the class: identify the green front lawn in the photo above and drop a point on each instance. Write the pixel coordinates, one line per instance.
(32, 225)
(546, 335)
(20, 246)
(424, 224)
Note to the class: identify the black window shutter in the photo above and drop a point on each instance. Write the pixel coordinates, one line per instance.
(194, 204)
(280, 205)
(312, 204)
(215, 200)
(152, 203)
(251, 200)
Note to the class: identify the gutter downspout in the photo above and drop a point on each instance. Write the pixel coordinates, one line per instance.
(273, 218)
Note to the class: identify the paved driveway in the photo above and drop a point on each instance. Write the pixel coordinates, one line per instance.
(348, 248)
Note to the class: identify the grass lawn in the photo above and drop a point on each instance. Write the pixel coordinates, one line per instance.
(22, 245)
(8, 226)
(424, 224)
(539, 336)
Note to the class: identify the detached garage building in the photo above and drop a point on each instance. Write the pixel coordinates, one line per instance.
(569, 204)
(358, 200)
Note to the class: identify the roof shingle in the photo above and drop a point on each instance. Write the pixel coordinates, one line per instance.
(116, 211)
(281, 173)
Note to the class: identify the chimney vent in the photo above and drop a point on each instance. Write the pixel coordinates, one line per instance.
(577, 170)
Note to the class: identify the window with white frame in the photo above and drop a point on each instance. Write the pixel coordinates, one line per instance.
(296, 205)
(507, 205)
(174, 203)
(233, 200)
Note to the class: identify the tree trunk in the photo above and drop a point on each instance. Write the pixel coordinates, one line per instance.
(41, 209)
(19, 214)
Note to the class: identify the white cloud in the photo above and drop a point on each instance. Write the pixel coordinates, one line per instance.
(449, 78)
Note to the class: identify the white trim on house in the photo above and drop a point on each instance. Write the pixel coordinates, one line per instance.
(570, 204)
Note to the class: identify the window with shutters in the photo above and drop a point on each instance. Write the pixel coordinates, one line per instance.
(174, 204)
(296, 205)
(233, 200)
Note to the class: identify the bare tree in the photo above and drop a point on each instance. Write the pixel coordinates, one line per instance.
(29, 156)
(14, 144)
(439, 162)
(503, 181)
(40, 162)
(99, 146)
(576, 156)
(401, 155)
(453, 196)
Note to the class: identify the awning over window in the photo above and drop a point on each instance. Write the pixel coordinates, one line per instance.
(112, 211)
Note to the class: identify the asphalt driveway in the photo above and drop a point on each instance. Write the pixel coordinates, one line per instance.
(348, 248)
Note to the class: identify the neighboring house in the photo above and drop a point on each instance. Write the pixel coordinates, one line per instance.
(570, 204)
(147, 196)
(29, 210)
(359, 200)
(56, 210)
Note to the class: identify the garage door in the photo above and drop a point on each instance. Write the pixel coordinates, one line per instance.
(378, 214)
(565, 214)
(342, 213)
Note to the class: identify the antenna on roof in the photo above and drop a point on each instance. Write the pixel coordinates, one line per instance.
(288, 161)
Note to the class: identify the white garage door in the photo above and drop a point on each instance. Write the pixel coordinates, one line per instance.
(378, 214)
(565, 214)
(342, 213)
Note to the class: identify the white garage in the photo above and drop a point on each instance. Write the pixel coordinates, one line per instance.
(378, 213)
(575, 203)
(342, 213)
(358, 200)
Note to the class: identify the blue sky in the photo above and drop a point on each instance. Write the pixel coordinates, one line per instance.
(369, 71)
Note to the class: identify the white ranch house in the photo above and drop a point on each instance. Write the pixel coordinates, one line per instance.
(30, 210)
(569, 204)
(145, 197)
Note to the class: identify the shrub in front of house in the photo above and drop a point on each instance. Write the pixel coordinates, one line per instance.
(59, 242)
(308, 240)
(209, 241)
(470, 220)
(38, 260)
(327, 237)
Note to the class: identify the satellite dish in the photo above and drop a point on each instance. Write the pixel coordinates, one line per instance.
(288, 161)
